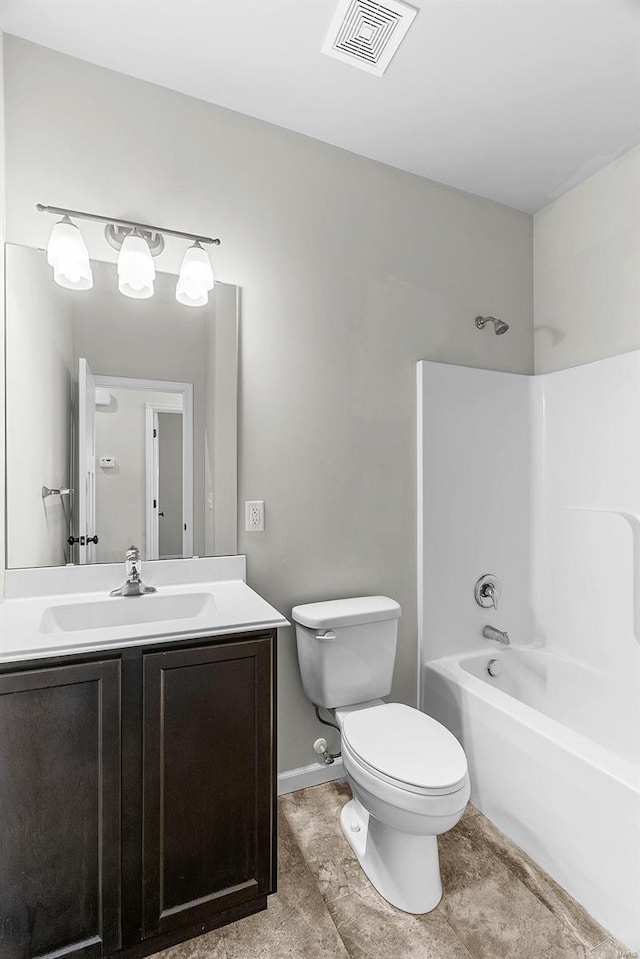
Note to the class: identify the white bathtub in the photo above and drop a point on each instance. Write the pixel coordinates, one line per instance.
(553, 757)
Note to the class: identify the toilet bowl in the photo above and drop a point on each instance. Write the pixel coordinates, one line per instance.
(408, 773)
(410, 783)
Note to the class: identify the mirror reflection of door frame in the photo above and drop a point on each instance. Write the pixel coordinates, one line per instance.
(185, 390)
(152, 492)
(85, 501)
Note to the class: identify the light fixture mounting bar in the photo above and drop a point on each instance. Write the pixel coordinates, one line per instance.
(127, 224)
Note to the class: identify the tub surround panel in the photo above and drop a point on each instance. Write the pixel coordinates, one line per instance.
(474, 467)
(549, 501)
(537, 480)
(586, 558)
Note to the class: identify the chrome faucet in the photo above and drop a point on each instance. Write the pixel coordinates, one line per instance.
(133, 585)
(497, 635)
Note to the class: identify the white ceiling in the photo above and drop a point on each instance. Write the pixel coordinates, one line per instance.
(517, 100)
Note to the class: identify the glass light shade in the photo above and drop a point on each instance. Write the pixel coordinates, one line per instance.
(191, 294)
(196, 277)
(136, 269)
(73, 280)
(68, 255)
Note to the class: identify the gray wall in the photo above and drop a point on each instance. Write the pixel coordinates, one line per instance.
(351, 271)
(121, 490)
(221, 421)
(41, 381)
(587, 269)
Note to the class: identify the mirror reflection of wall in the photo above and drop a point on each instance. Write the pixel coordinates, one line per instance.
(149, 364)
(140, 461)
(168, 492)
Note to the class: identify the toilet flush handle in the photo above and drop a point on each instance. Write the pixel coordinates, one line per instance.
(328, 634)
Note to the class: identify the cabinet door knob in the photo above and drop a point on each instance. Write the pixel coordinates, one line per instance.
(92, 539)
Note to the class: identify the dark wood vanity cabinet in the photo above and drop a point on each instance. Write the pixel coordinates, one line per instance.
(60, 811)
(136, 797)
(207, 781)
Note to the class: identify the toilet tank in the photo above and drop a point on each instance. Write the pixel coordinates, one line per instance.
(346, 649)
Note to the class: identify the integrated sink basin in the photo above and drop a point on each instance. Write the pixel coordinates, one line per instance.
(126, 611)
(57, 611)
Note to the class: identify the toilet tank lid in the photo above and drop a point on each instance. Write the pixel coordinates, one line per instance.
(346, 612)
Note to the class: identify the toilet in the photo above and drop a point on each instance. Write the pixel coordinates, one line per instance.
(407, 772)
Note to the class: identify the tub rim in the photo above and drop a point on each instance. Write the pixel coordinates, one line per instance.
(624, 771)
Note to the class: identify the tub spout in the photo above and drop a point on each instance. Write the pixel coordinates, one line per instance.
(497, 635)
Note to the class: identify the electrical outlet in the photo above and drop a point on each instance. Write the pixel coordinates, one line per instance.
(254, 516)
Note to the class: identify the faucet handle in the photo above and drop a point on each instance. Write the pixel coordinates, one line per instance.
(132, 560)
(487, 591)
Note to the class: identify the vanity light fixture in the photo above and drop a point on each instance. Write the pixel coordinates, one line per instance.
(69, 257)
(196, 277)
(136, 269)
(138, 243)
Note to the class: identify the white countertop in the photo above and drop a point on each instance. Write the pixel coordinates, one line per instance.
(31, 612)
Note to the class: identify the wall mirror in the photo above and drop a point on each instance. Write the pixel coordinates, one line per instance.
(121, 419)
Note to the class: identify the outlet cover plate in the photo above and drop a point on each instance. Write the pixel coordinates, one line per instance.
(254, 516)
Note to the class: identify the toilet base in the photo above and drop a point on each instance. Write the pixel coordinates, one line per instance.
(403, 867)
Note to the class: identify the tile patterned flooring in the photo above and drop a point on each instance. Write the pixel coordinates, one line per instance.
(497, 903)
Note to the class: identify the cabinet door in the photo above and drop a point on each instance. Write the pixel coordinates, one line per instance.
(60, 812)
(207, 781)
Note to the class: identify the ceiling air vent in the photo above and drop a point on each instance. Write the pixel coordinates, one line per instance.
(366, 34)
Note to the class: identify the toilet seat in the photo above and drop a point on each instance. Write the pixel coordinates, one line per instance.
(406, 748)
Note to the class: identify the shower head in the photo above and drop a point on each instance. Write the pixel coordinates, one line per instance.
(499, 326)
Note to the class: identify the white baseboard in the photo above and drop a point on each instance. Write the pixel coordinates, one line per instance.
(313, 775)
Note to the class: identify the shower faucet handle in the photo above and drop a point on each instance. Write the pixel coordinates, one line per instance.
(487, 591)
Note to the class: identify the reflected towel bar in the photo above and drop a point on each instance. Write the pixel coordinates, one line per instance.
(55, 492)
